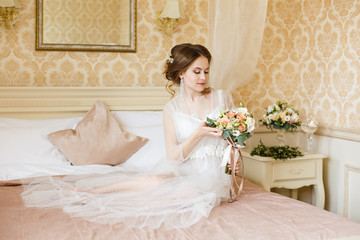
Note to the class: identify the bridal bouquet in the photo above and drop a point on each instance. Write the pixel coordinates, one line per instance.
(281, 116)
(237, 124)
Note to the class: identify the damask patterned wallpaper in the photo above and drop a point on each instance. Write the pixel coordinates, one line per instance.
(86, 22)
(310, 57)
(21, 65)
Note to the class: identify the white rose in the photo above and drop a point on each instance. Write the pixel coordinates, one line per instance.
(271, 117)
(294, 117)
(275, 116)
(287, 118)
(242, 110)
(250, 123)
(236, 133)
(270, 108)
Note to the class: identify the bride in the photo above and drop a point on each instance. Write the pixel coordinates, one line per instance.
(181, 189)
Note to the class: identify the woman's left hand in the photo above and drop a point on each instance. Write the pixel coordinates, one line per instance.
(237, 167)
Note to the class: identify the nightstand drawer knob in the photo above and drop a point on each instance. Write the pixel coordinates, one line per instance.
(296, 171)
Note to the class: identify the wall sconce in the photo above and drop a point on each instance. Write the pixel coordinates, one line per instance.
(8, 11)
(169, 17)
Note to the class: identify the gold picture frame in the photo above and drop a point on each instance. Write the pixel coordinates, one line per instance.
(81, 25)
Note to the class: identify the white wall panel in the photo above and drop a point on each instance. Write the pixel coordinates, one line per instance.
(352, 192)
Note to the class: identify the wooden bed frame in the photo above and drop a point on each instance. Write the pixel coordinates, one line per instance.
(61, 102)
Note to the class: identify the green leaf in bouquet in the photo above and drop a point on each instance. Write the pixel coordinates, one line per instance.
(239, 140)
(246, 136)
(210, 122)
(226, 133)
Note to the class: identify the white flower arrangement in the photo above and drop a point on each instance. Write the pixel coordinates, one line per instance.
(281, 116)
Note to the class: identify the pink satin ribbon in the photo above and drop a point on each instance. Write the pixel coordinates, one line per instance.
(235, 156)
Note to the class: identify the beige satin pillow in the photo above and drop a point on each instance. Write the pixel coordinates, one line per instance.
(97, 139)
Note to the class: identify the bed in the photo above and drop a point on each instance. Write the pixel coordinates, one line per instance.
(28, 115)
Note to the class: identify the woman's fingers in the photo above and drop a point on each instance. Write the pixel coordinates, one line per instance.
(237, 167)
(211, 131)
(218, 133)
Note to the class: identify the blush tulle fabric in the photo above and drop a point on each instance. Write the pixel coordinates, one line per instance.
(174, 193)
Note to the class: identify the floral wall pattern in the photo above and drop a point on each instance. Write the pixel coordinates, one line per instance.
(22, 66)
(86, 22)
(310, 57)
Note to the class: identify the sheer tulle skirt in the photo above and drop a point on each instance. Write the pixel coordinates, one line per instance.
(174, 195)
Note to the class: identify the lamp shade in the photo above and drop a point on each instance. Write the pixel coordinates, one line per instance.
(10, 3)
(172, 9)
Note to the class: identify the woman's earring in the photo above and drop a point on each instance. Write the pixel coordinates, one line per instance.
(181, 86)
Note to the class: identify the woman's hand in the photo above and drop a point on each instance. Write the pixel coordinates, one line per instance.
(204, 130)
(237, 168)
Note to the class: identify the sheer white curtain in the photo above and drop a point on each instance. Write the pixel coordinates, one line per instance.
(235, 30)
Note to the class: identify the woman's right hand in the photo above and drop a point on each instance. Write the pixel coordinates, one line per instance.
(204, 130)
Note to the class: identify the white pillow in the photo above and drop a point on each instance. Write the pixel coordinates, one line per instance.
(24, 142)
(28, 146)
(148, 124)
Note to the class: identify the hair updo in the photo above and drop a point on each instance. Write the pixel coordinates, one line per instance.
(181, 58)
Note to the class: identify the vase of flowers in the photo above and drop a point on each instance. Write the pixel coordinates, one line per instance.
(281, 117)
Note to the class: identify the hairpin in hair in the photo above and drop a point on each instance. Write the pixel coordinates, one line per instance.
(171, 60)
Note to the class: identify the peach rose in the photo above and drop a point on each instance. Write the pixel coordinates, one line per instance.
(241, 116)
(242, 127)
(231, 114)
(223, 120)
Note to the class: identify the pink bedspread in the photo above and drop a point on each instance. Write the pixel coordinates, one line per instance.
(256, 215)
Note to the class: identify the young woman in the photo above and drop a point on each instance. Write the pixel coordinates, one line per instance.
(181, 189)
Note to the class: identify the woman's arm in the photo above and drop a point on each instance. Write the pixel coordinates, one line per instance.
(179, 151)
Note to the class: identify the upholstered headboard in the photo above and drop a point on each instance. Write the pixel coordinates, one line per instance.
(58, 102)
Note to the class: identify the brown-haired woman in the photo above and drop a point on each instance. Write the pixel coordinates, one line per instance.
(188, 67)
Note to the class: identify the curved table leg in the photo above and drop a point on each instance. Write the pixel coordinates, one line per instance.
(294, 193)
(320, 195)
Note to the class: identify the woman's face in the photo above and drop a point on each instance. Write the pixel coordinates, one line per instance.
(196, 76)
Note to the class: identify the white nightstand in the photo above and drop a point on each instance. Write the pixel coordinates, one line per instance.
(290, 173)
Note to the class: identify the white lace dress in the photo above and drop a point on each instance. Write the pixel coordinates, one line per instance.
(174, 193)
